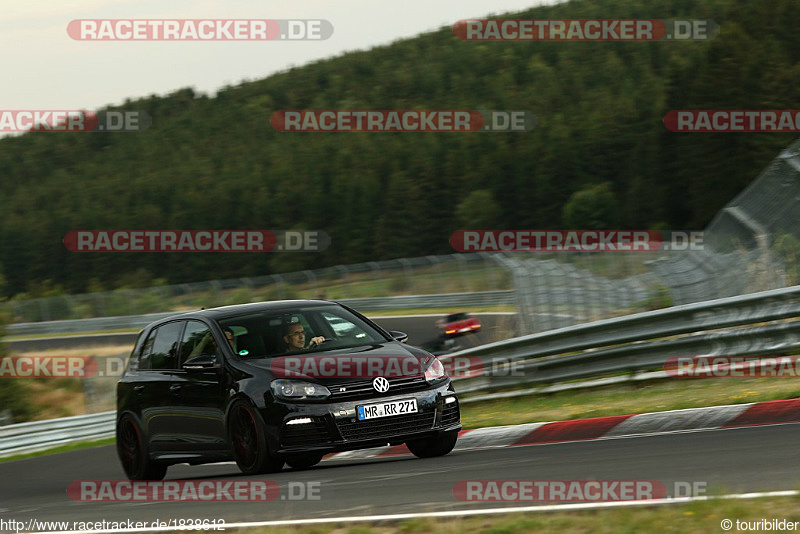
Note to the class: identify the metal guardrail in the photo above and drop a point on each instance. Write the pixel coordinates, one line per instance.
(733, 326)
(37, 435)
(637, 342)
(405, 302)
(755, 341)
(98, 324)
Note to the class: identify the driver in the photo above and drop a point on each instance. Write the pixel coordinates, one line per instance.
(295, 337)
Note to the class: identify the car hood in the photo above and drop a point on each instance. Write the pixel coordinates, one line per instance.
(349, 365)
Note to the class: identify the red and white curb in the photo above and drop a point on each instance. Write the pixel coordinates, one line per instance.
(615, 426)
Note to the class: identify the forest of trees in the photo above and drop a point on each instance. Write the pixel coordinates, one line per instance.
(600, 155)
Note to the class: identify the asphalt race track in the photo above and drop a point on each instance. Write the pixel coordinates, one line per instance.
(728, 461)
(732, 460)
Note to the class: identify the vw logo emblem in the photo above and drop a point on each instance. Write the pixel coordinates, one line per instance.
(380, 384)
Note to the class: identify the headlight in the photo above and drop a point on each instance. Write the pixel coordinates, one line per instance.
(435, 371)
(298, 390)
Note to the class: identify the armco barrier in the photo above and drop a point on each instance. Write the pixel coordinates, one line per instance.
(749, 341)
(637, 342)
(36, 435)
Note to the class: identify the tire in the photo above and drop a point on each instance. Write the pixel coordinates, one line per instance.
(133, 454)
(248, 441)
(434, 446)
(303, 461)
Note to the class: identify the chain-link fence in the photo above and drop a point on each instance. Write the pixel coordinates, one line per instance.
(763, 224)
(753, 244)
(567, 288)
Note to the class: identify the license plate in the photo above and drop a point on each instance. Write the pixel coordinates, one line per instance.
(386, 409)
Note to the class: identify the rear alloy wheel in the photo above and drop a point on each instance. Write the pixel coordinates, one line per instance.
(434, 446)
(248, 441)
(133, 453)
(303, 461)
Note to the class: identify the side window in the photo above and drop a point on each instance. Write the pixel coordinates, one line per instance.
(133, 359)
(197, 340)
(147, 349)
(164, 354)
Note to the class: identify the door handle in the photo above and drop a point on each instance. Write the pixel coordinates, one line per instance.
(175, 388)
(138, 388)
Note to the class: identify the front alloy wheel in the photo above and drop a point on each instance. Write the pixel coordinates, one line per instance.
(249, 443)
(133, 453)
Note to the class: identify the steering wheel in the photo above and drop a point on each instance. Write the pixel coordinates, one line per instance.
(319, 343)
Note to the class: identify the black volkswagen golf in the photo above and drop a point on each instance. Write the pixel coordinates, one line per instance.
(276, 383)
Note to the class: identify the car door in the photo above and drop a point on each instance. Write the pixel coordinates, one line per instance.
(157, 365)
(200, 393)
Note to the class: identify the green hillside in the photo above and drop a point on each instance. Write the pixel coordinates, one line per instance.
(215, 163)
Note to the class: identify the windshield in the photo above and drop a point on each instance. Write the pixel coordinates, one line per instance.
(297, 331)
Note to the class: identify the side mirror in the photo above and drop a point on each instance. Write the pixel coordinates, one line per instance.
(402, 337)
(202, 362)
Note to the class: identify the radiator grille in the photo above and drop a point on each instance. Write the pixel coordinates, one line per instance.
(386, 427)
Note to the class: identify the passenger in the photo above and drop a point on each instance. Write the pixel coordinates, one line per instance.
(230, 337)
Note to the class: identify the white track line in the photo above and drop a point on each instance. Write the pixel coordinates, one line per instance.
(452, 513)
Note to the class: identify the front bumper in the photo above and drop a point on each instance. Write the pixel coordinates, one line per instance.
(334, 426)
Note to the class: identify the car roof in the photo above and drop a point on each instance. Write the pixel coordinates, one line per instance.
(253, 307)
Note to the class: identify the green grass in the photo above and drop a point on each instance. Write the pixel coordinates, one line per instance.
(61, 448)
(633, 397)
(447, 278)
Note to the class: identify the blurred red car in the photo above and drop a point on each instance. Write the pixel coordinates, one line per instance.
(457, 324)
